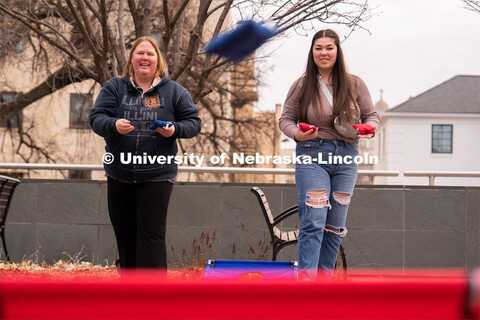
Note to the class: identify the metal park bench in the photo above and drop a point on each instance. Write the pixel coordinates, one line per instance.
(7, 188)
(282, 238)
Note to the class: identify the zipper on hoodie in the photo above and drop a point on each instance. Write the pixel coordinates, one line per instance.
(138, 136)
(142, 95)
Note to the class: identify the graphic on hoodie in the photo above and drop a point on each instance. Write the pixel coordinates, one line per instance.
(153, 101)
(143, 111)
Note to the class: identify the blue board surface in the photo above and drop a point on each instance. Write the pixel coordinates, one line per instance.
(235, 270)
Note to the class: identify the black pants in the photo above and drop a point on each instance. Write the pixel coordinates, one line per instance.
(138, 212)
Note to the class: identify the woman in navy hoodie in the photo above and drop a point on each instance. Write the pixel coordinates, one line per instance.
(139, 162)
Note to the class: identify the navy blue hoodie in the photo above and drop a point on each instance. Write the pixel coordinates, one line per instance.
(167, 101)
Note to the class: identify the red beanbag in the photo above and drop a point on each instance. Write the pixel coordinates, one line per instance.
(305, 126)
(364, 128)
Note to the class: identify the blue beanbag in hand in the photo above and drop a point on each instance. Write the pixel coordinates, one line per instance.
(160, 123)
(242, 40)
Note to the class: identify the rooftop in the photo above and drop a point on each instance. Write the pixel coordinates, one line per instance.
(460, 94)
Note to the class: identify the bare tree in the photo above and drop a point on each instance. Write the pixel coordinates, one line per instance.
(473, 5)
(89, 39)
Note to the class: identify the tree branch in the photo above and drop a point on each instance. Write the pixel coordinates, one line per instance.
(473, 5)
(104, 26)
(146, 17)
(121, 38)
(94, 11)
(61, 78)
(195, 38)
(22, 18)
(86, 30)
(168, 27)
(179, 12)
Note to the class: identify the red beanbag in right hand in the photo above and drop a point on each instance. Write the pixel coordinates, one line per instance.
(305, 126)
(364, 128)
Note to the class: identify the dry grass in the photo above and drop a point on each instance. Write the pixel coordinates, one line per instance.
(86, 271)
(185, 267)
(61, 270)
(60, 266)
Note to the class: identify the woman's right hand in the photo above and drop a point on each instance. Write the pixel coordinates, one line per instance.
(304, 136)
(123, 126)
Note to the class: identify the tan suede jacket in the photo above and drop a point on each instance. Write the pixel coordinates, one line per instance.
(319, 115)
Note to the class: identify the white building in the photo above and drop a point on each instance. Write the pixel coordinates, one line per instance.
(438, 130)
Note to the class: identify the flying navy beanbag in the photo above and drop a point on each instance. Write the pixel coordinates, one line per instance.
(243, 40)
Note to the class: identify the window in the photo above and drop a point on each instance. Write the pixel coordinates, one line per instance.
(442, 138)
(13, 35)
(14, 121)
(19, 46)
(80, 105)
(157, 36)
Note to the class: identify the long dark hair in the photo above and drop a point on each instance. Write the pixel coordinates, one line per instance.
(341, 82)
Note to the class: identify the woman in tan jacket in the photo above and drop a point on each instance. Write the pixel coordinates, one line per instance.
(330, 100)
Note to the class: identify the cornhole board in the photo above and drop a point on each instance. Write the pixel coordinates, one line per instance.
(241, 270)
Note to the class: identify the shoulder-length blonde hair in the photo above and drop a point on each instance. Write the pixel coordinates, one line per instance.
(161, 64)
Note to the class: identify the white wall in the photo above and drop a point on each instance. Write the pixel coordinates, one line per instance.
(408, 143)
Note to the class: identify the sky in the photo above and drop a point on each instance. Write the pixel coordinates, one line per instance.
(413, 45)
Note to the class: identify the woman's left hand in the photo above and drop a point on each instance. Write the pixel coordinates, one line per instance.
(366, 136)
(166, 132)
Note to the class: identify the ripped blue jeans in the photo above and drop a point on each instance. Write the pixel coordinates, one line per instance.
(324, 187)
